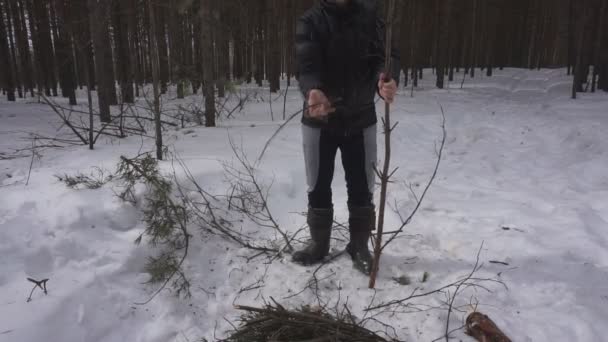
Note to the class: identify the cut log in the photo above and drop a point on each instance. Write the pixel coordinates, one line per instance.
(483, 329)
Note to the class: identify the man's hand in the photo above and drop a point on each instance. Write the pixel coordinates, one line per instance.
(318, 104)
(387, 90)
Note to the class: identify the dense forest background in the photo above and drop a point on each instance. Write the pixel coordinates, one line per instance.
(117, 46)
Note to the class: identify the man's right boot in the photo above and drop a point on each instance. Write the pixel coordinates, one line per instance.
(320, 222)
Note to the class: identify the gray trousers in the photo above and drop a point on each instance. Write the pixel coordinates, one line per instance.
(359, 152)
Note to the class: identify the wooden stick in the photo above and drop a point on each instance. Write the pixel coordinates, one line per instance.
(385, 174)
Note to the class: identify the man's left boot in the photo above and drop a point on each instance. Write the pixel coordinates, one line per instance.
(362, 221)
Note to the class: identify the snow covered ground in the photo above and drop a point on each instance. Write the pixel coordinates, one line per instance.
(525, 171)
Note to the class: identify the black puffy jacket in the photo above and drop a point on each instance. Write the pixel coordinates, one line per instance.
(340, 50)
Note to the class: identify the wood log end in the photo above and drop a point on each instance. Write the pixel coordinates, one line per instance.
(483, 329)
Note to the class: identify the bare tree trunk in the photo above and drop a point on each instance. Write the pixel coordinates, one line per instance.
(221, 50)
(571, 34)
(198, 51)
(603, 60)
(23, 49)
(5, 59)
(161, 41)
(55, 73)
(108, 58)
(490, 37)
(532, 36)
(156, 80)
(97, 32)
(598, 44)
(248, 58)
(207, 48)
(41, 39)
(414, 39)
(188, 53)
(135, 43)
(239, 44)
(89, 49)
(273, 65)
(121, 12)
(444, 10)
(88, 80)
(15, 69)
(474, 40)
(176, 48)
(65, 56)
(259, 47)
(578, 69)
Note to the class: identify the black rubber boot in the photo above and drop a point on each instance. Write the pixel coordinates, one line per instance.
(320, 222)
(361, 222)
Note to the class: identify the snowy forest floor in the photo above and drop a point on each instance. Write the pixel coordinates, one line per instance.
(524, 171)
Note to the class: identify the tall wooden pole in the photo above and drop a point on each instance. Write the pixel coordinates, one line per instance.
(384, 175)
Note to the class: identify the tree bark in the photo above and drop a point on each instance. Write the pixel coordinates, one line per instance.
(135, 43)
(108, 58)
(55, 73)
(197, 60)
(603, 60)
(221, 48)
(259, 48)
(41, 40)
(474, 40)
(15, 67)
(120, 16)
(161, 41)
(5, 59)
(156, 80)
(444, 10)
(64, 51)
(176, 48)
(578, 69)
(23, 45)
(207, 61)
(273, 66)
(98, 30)
(490, 38)
(598, 43)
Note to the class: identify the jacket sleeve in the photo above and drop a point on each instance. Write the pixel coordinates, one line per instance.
(308, 56)
(380, 54)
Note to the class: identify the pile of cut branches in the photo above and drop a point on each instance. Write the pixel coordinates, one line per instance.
(275, 323)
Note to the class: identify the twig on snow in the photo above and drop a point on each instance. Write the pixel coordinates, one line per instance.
(37, 284)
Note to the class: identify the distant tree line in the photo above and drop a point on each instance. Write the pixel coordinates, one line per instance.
(55, 46)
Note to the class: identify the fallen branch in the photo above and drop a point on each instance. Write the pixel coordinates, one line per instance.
(65, 120)
(94, 134)
(34, 154)
(208, 216)
(313, 282)
(453, 297)
(37, 284)
(468, 281)
(251, 199)
(166, 222)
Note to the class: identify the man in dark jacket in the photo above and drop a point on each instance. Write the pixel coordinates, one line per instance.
(340, 51)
